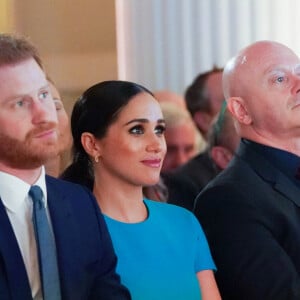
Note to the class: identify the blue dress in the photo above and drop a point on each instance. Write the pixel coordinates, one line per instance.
(159, 257)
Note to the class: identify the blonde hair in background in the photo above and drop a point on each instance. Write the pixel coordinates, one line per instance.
(175, 116)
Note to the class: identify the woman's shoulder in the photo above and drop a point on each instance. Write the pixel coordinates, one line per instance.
(168, 209)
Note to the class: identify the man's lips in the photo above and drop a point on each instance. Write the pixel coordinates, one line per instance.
(44, 130)
(45, 133)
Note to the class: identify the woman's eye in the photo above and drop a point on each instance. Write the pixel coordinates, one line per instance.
(137, 130)
(160, 129)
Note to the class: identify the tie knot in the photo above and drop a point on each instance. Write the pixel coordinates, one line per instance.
(36, 194)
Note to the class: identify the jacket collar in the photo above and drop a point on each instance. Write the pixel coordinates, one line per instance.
(268, 172)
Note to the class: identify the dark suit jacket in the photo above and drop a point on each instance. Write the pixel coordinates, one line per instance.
(185, 183)
(251, 216)
(85, 255)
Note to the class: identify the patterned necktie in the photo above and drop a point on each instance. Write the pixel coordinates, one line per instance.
(46, 246)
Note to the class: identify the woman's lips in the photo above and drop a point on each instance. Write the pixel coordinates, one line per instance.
(153, 163)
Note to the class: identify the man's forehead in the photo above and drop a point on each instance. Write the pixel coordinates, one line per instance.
(20, 79)
(293, 68)
(263, 62)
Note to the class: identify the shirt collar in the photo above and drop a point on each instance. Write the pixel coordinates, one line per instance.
(14, 191)
(288, 163)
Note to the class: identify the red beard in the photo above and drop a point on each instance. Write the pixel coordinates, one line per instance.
(28, 154)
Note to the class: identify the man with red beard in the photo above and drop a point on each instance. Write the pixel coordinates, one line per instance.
(84, 259)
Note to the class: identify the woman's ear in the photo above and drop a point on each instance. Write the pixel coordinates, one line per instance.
(90, 144)
(238, 109)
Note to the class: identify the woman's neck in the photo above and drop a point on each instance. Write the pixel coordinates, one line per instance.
(121, 202)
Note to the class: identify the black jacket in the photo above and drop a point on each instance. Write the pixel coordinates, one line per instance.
(251, 216)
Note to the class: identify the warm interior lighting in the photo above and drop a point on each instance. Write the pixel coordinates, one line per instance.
(5, 16)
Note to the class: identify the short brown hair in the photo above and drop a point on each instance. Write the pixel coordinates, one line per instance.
(196, 96)
(15, 49)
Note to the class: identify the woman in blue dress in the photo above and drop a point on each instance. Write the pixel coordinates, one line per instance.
(119, 146)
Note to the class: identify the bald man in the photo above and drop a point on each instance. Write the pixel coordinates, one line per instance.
(251, 212)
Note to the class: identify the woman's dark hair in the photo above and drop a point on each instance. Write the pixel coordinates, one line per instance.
(94, 112)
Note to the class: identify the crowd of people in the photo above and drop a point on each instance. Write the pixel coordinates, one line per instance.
(164, 197)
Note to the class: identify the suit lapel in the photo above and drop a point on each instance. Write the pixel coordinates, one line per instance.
(269, 173)
(288, 188)
(66, 238)
(12, 259)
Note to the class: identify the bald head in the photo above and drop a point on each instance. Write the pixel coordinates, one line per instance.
(262, 88)
(251, 60)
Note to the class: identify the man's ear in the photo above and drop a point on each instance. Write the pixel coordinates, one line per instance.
(221, 156)
(238, 109)
(89, 144)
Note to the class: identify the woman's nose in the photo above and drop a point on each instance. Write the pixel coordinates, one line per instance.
(157, 144)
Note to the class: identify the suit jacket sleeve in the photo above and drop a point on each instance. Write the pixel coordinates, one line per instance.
(251, 263)
(86, 258)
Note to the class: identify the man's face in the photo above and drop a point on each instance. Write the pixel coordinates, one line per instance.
(181, 146)
(272, 80)
(64, 130)
(213, 89)
(28, 118)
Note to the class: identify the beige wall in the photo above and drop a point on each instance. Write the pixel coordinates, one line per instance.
(76, 39)
(5, 16)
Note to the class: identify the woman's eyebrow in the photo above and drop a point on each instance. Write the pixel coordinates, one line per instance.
(143, 120)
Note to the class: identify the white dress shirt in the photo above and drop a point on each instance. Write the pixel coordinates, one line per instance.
(14, 195)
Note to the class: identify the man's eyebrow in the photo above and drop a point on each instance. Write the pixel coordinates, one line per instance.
(18, 96)
(281, 68)
(46, 86)
(273, 69)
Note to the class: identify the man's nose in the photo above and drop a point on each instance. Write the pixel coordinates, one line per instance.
(43, 112)
(296, 87)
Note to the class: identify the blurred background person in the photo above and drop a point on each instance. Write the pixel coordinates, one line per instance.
(167, 96)
(204, 98)
(158, 192)
(223, 139)
(55, 165)
(186, 182)
(182, 138)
